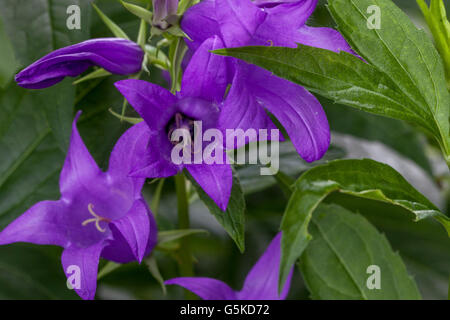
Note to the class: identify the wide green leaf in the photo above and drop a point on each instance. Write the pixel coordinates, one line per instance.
(423, 246)
(38, 28)
(32, 272)
(402, 52)
(360, 178)
(233, 219)
(402, 77)
(30, 160)
(43, 29)
(290, 163)
(7, 59)
(344, 246)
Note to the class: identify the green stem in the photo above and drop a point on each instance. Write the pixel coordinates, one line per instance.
(285, 182)
(157, 197)
(186, 266)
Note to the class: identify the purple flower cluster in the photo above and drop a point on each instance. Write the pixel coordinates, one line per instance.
(103, 214)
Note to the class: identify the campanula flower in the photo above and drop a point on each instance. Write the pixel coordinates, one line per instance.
(99, 214)
(164, 13)
(260, 284)
(200, 100)
(118, 56)
(264, 22)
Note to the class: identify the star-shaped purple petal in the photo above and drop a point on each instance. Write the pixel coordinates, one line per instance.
(261, 282)
(99, 214)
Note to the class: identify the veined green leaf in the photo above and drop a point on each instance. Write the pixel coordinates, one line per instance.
(403, 79)
(360, 178)
(402, 52)
(337, 76)
(337, 262)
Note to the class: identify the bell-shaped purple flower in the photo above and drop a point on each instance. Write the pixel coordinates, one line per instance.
(200, 100)
(267, 22)
(164, 13)
(260, 284)
(99, 214)
(118, 56)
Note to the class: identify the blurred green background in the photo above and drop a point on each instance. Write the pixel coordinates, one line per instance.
(32, 145)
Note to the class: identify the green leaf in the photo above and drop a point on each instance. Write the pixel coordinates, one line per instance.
(58, 104)
(359, 178)
(30, 160)
(98, 73)
(8, 62)
(292, 165)
(173, 235)
(233, 219)
(425, 249)
(402, 52)
(108, 268)
(436, 18)
(35, 29)
(153, 268)
(33, 42)
(397, 135)
(337, 76)
(138, 11)
(403, 79)
(32, 272)
(157, 57)
(113, 27)
(344, 245)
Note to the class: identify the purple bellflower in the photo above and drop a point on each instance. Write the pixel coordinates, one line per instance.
(261, 282)
(202, 90)
(118, 56)
(99, 214)
(255, 90)
(164, 13)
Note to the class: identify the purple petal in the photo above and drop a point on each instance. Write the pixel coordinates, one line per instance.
(238, 20)
(156, 168)
(206, 74)
(271, 3)
(282, 22)
(134, 234)
(41, 224)
(262, 281)
(241, 110)
(199, 23)
(325, 38)
(157, 106)
(162, 10)
(79, 167)
(118, 56)
(131, 147)
(151, 101)
(205, 288)
(298, 111)
(86, 261)
(215, 179)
